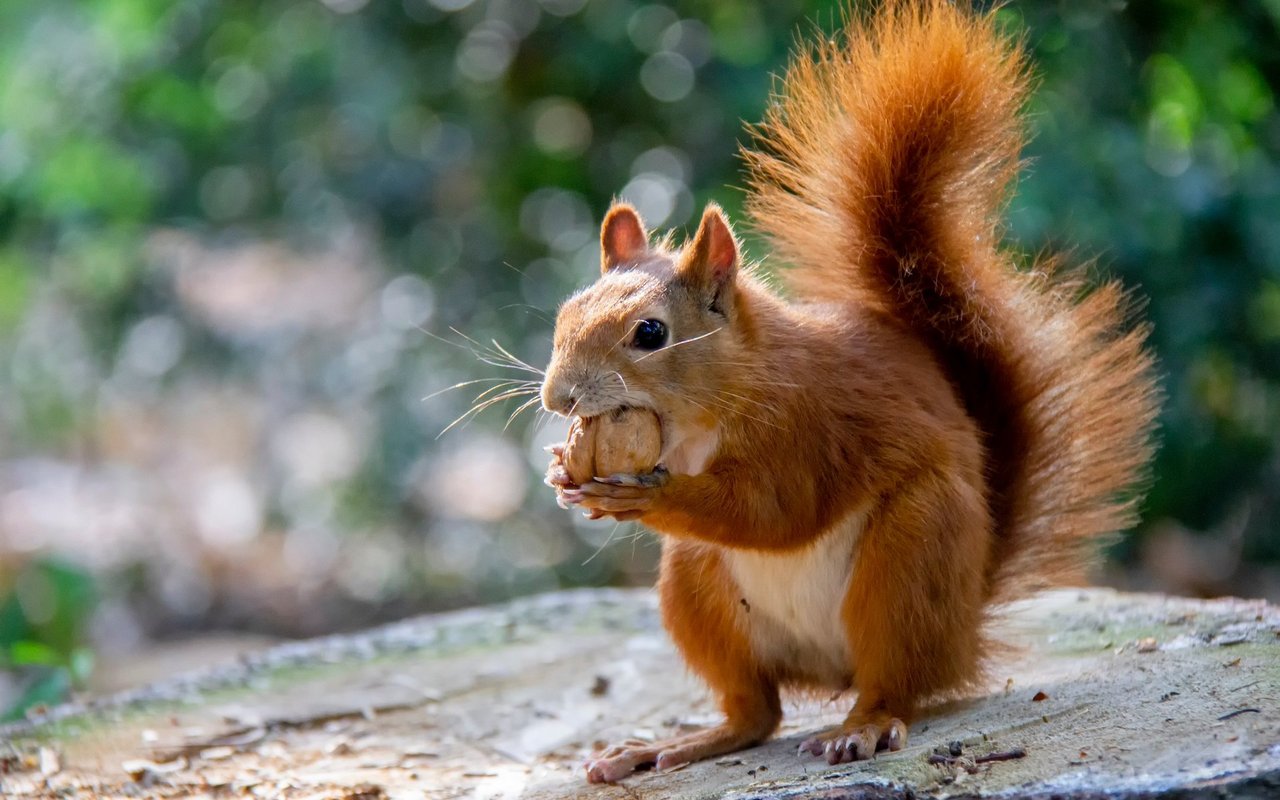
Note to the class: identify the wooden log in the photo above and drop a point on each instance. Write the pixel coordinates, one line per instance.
(1112, 695)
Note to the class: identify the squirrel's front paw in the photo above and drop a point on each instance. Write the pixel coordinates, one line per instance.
(623, 496)
(557, 476)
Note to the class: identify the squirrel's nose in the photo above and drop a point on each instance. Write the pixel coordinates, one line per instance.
(557, 400)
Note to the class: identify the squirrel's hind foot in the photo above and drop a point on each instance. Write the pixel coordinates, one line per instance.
(857, 740)
(619, 761)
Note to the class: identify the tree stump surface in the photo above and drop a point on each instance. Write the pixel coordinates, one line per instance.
(1110, 695)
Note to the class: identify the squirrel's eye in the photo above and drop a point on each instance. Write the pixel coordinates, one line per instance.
(650, 334)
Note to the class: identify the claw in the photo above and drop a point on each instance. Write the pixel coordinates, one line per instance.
(651, 480)
(856, 742)
(832, 751)
(897, 735)
(669, 761)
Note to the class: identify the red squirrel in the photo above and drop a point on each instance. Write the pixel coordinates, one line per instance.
(855, 475)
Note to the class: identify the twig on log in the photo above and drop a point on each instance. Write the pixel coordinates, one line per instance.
(1238, 712)
(1007, 755)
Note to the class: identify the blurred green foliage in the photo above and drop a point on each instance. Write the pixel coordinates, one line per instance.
(1157, 151)
(468, 148)
(42, 619)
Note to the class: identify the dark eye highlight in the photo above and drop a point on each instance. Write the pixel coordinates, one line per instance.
(650, 334)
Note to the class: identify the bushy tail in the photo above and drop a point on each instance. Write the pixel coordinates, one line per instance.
(880, 172)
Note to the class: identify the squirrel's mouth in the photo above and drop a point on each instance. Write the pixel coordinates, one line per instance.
(595, 403)
(595, 408)
(573, 394)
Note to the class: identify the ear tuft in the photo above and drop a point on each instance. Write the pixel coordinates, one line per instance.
(622, 237)
(712, 258)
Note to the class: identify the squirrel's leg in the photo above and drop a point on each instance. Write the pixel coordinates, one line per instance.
(913, 612)
(699, 609)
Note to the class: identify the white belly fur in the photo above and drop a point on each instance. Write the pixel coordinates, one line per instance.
(793, 601)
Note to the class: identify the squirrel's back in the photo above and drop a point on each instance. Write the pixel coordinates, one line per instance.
(880, 173)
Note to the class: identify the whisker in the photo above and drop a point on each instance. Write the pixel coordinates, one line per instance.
(525, 385)
(503, 388)
(523, 406)
(636, 535)
(443, 340)
(488, 355)
(542, 314)
(490, 358)
(723, 405)
(472, 412)
(468, 338)
(466, 417)
(504, 351)
(465, 384)
(496, 363)
(542, 418)
(516, 391)
(696, 403)
(677, 344)
(617, 524)
(622, 380)
(757, 403)
(630, 331)
(724, 394)
(752, 366)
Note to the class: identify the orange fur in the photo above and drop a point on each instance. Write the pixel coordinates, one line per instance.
(854, 477)
(910, 132)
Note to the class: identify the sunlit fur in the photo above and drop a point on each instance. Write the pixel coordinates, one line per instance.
(984, 425)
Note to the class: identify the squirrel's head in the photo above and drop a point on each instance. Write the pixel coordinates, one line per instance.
(655, 330)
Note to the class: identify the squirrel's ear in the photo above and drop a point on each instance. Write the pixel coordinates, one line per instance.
(622, 237)
(711, 260)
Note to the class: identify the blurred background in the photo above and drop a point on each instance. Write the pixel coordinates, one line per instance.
(245, 245)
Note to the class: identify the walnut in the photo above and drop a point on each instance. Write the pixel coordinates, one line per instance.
(628, 440)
